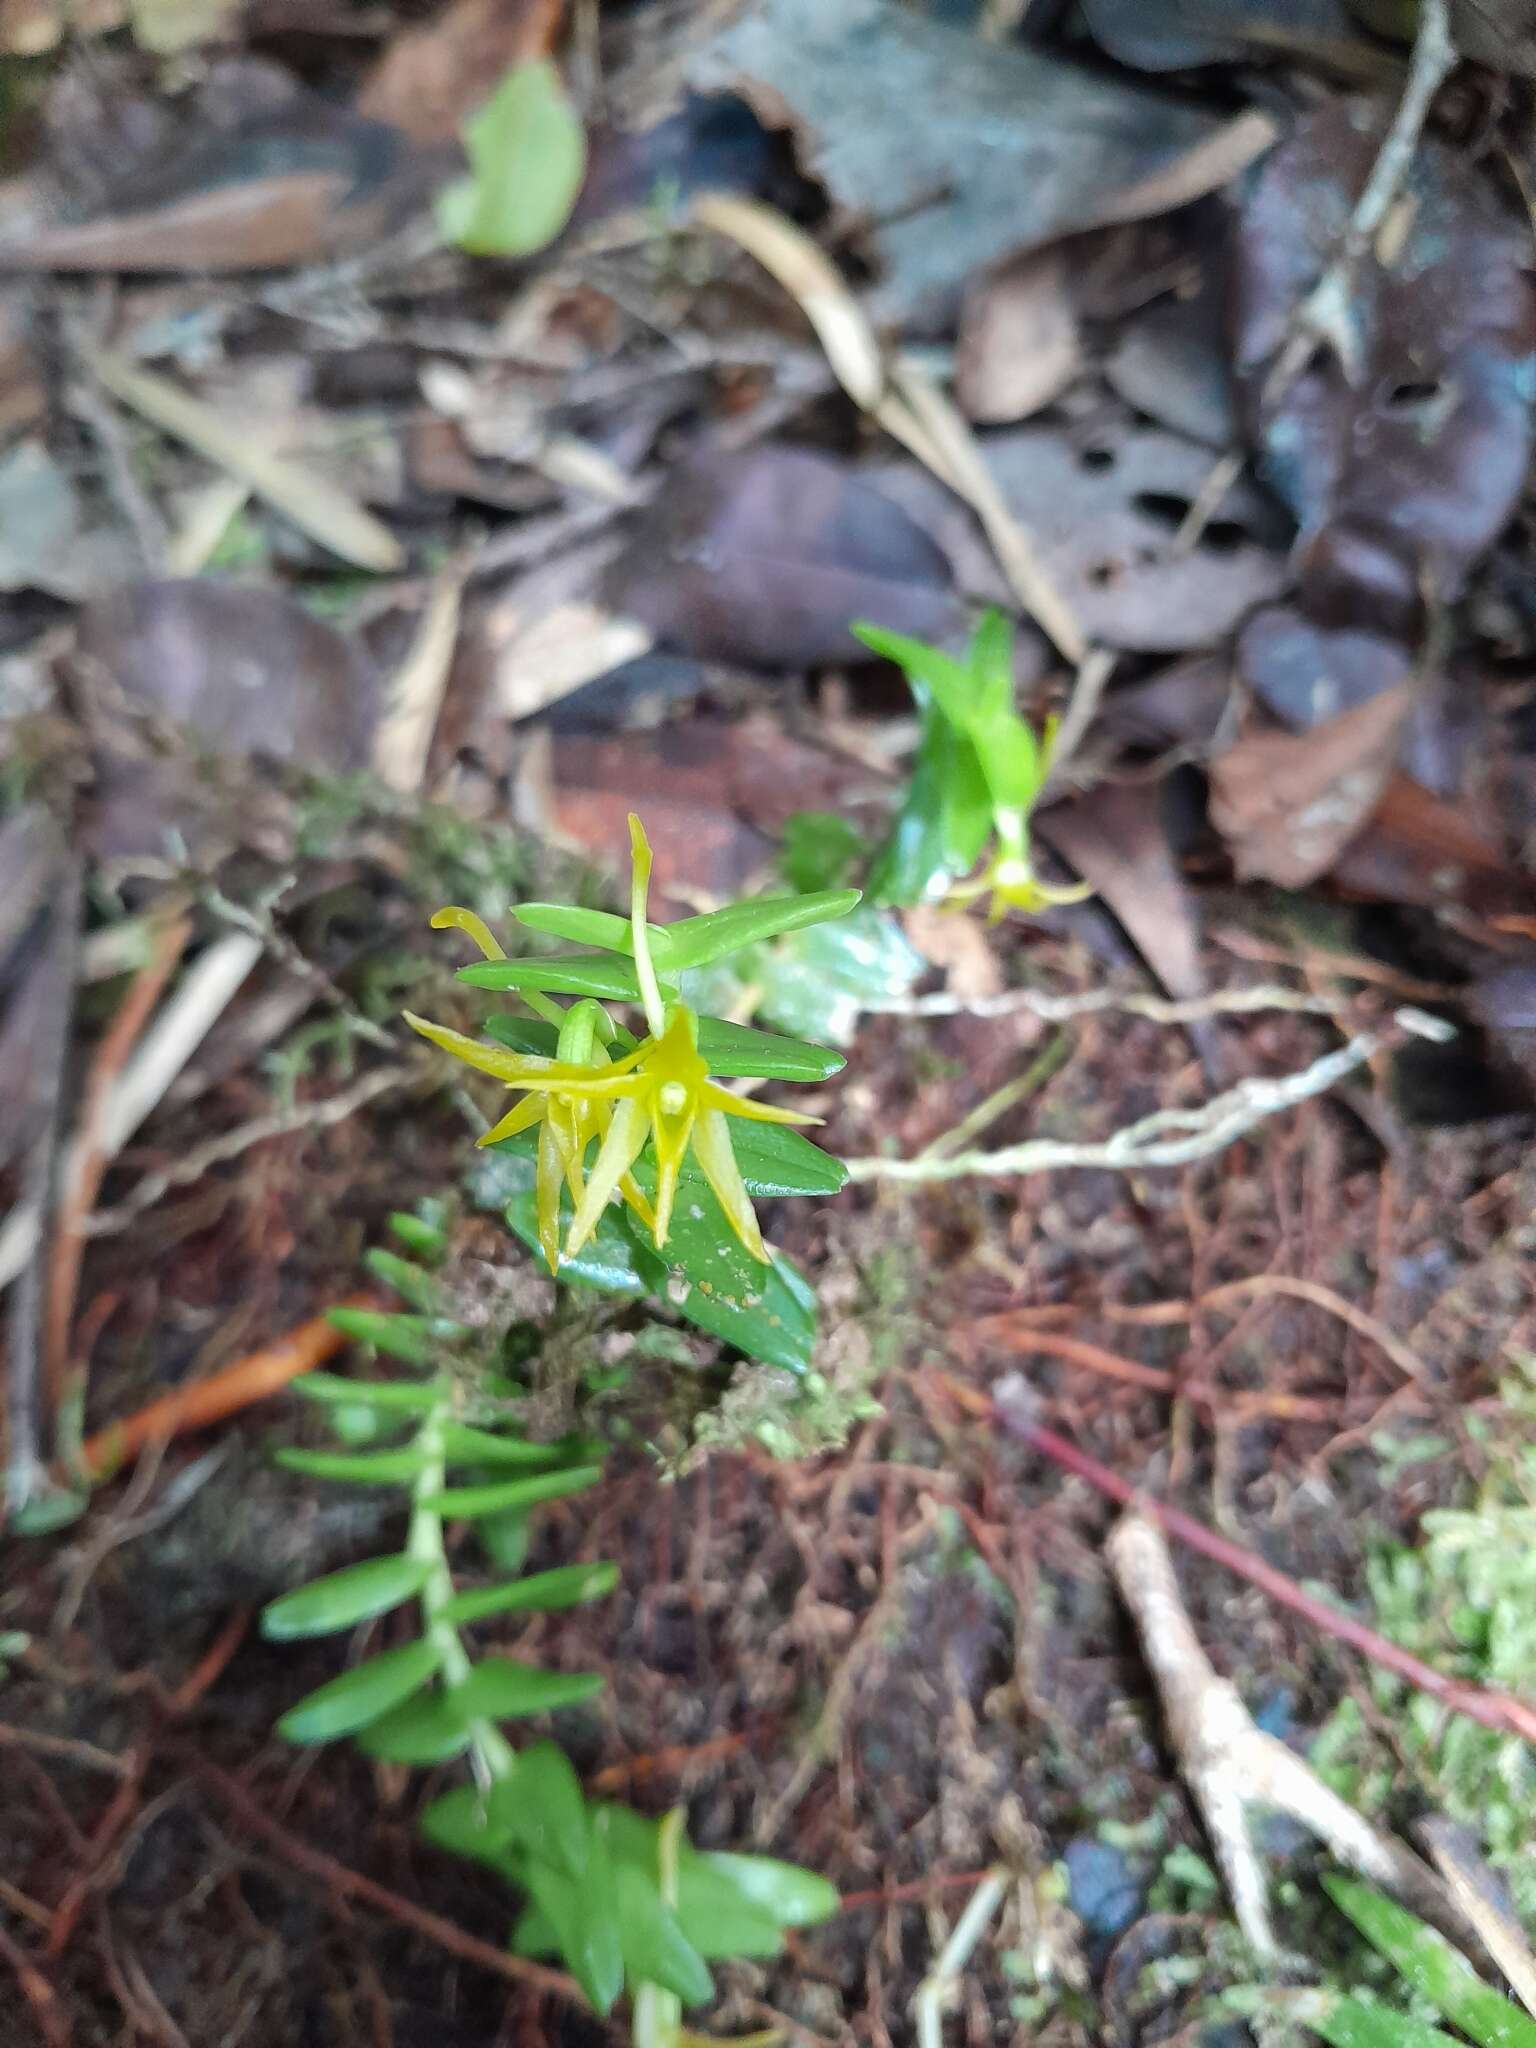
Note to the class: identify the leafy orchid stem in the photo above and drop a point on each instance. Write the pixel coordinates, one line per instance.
(639, 891)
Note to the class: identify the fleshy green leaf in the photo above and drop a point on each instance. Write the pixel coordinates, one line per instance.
(944, 820)
(360, 1468)
(574, 974)
(656, 1950)
(501, 1689)
(361, 1695)
(736, 1049)
(542, 1809)
(950, 682)
(466, 1446)
(498, 1495)
(817, 849)
(460, 1822)
(696, 941)
(527, 155)
(343, 1598)
(422, 1234)
(523, 1034)
(394, 1397)
(502, 1179)
(788, 1893)
(713, 1911)
(414, 1340)
(583, 1915)
(427, 1730)
(566, 1585)
(580, 927)
(411, 1282)
(776, 1159)
(1346, 2022)
(504, 1538)
(1433, 1967)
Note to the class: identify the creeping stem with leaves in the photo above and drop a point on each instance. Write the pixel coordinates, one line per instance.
(626, 1902)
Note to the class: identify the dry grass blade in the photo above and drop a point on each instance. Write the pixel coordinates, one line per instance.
(911, 410)
(323, 511)
(404, 738)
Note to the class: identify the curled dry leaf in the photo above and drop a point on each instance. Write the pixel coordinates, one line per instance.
(1019, 345)
(1289, 803)
(1413, 433)
(1170, 362)
(958, 150)
(763, 558)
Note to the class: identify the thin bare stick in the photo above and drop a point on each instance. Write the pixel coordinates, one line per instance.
(1060, 1009)
(1169, 1137)
(1231, 1764)
(1011, 1405)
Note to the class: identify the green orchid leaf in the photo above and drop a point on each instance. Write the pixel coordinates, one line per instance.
(466, 1446)
(460, 1822)
(497, 1496)
(714, 1912)
(950, 682)
(581, 927)
(527, 156)
(343, 1598)
(393, 1397)
(523, 1034)
(790, 1895)
(430, 1729)
(423, 1234)
(358, 1468)
(414, 1340)
(736, 1050)
(817, 849)
(503, 1180)
(1013, 763)
(565, 974)
(943, 823)
(582, 1915)
(697, 941)
(1347, 2022)
(541, 1808)
(505, 1537)
(361, 1695)
(990, 661)
(501, 1689)
(656, 1950)
(1435, 1969)
(776, 1159)
(411, 1282)
(564, 1585)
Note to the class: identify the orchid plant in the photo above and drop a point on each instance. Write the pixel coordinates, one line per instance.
(645, 1165)
(980, 771)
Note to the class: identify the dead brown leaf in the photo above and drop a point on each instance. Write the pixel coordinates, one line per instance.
(1115, 838)
(1019, 345)
(432, 78)
(1288, 804)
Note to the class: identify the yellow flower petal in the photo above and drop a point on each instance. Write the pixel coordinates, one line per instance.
(713, 1096)
(527, 1113)
(548, 1176)
(616, 1155)
(517, 1069)
(715, 1154)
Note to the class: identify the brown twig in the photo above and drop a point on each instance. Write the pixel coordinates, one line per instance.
(1009, 1411)
(221, 1394)
(52, 2019)
(1023, 1337)
(89, 1155)
(351, 1884)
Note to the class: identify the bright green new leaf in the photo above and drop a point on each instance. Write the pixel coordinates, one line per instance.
(541, 1808)
(697, 941)
(424, 1234)
(607, 976)
(527, 155)
(466, 1446)
(427, 1730)
(564, 1585)
(402, 1397)
(414, 1340)
(1433, 1967)
(736, 1050)
(1347, 2022)
(656, 1950)
(944, 820)
(460, 1822)
(581, 927)
(794, 1897)
(501, 1689)
(499, 1495)
(359, 1468)
(583, 1917)
(343, 1598)
(951, 682)
(361, 1695)
(421, 1289)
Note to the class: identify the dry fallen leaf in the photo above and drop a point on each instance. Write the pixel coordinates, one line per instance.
(1288, 804)
(1019, 345)
(433, 77)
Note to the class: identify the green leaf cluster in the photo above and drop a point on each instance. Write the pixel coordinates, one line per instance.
(978, 772)
(527, 157)
(624, 1902)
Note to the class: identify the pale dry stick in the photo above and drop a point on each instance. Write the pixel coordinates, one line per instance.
(184, 1020)
(316, 505)
(1324, 314)
(1231, 1764)
(928, 2003)
(1483, 1898)
(1060, 1009)
(1169, 1137)
(304, 1116)
(416, 690)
